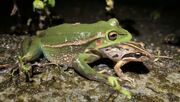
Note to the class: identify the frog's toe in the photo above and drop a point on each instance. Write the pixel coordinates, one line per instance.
(103, 71)
(130, 80)
(114, 83)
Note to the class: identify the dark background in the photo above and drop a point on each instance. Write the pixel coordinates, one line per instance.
(87, 11)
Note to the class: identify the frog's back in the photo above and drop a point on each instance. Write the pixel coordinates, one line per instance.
(71, 32)
(66, 34)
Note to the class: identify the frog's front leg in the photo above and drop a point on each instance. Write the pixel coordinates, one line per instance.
(32, 51)
(119, 72)
(85, 70)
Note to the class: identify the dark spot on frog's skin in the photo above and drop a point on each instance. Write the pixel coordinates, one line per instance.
(107, 49)
(136, 55)
(116, 55)
(127, 49)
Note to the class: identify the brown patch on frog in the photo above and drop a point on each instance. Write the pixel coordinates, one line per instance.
(73, 43)
(98, 42)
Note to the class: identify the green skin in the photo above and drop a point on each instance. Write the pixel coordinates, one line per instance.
(74, 45)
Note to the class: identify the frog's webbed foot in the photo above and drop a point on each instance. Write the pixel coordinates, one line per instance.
(120, 74)
(126, 78)
(27, 70)
(113, 81)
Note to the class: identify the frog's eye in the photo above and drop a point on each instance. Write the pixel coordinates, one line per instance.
(112, 35)
(137, 55)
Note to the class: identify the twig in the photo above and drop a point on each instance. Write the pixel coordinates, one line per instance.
(4, 66)
(7, 67)
(15, 8)
(42, 65)
(167, 57)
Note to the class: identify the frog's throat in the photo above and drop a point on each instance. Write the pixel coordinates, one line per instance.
(73, 43)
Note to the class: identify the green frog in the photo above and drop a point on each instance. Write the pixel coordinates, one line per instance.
(77, 45)
(124, 53)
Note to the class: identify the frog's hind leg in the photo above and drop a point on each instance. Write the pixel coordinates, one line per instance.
(34, 51)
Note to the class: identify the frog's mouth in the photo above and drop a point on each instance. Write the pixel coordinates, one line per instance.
(135, 67)
(107, 64)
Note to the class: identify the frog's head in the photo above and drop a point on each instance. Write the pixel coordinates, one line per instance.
(128, 51)
(134, 51)
(114, 34)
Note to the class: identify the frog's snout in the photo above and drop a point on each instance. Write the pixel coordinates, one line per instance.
(149, 55)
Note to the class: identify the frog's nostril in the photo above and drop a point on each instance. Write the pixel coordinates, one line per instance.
(107, 49)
